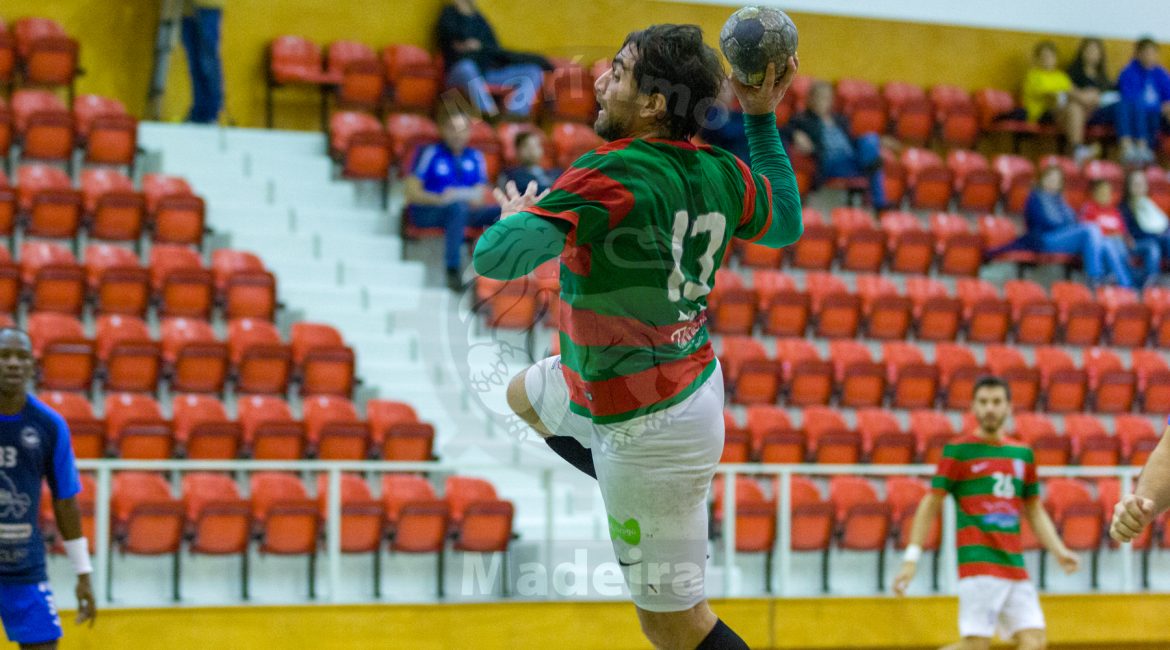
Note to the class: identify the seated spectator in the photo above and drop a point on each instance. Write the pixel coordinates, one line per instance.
(1049, 97)
(1145, 97)
(529, 153)
(1092, 87)
(474, 59)
(724, 128)
(1143, 218)
(1052, 227)
(824, 135)
(447, 188)
(1100, 210)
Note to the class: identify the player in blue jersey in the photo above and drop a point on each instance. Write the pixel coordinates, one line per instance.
(34, 447)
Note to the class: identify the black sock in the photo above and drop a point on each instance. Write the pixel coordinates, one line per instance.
(570, 449)
(722, 637)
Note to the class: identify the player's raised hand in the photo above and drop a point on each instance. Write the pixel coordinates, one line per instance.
(512, 201)
(762, 99)
(904, 578)
(86, 607)
(1130, 516)
(1069, 561)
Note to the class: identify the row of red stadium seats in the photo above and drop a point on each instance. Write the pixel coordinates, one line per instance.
(127, 358)
(38, 52)
(45, 128)
(44, 203)
(48, 278)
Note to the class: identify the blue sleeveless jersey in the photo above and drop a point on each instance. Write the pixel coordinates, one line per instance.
(34, 446)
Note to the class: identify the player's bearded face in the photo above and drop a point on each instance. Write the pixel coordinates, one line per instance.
(991, 408)
(617, 98)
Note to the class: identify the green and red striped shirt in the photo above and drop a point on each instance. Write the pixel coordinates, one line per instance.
(650, 222)
(990, 483)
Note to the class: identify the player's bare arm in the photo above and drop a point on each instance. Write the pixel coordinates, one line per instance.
(928, 510)
(1046, 533)
(68, 516)
(1151, 497)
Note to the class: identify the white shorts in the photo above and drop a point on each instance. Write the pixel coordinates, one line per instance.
(655, 472)
(988, 605)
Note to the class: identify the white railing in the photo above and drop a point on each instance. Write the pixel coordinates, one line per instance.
(104, 470)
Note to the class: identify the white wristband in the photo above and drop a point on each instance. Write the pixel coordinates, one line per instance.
(78, 552)
(913, 553)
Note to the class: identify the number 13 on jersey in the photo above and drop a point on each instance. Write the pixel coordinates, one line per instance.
(685, 229)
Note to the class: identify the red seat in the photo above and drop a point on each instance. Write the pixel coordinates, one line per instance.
(958, 371)
(51, 207)
(904, 493)
(86, 432)
(836, 310)
(1009, 365)
(362, 79)
(862, 382)
(43, 125)
(270, 431)
(1081, 317)
(755, 519)
(334, 429)
(130, 359)
(860, 101)
(956, 115)
(929, 179)
(1112, 386)
(115, 211)
(993, 104)
(570, 86)
(8, 203)
(7, 59)
(47, 54)
(998, 232)
(1065, 386)
(862, 244)
(817, 246)
(976, 183)
(176, 212)
(262, 362)
(887, 315)
(325, 365)
(1158, 300)
(1078, 517)
(289, 521)
(785, 309)
(119, 284)
(146, 519)
(363, 518)
(295, 59)
(246, 288)
(482, 522)
(911, 246)
(829, 439)
(883, 440)
(106, 130)
(809, 378)
(1138, 438)
(183, 286)
(136, 428)
(1017, 176)
(864, 520)
(732, 306)
(65, 356)
(913, 382)
(987, 316)
(754, 378)
(397, 431)
(1127, 319)
(219, 520)
(203, 430)
(773, 436)
(570, 141)
(1153, 380)
(910, 111)
(413, 76)
(407, 133)
(959, 251)
(1034, 315)
(938, 315)
(359, 145)
(1092, 445)
(196, 362)
(932, 431)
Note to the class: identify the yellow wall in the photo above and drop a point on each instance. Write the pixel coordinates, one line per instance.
(815, 623)
(117, 39)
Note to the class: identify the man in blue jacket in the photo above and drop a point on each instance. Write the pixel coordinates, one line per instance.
(1145, 97)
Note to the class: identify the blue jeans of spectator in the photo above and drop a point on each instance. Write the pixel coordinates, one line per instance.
(453, 219)
(1100, 256)
(865, 161)
(1137, 121)
(525, 81)
(1150, 254)
(201, 40)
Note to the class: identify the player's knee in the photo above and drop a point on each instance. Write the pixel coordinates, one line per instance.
(518, 395)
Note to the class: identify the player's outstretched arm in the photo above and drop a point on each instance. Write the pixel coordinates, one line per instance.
(68, 516)
(1046, 532)
(924, 516)
(1136, 511)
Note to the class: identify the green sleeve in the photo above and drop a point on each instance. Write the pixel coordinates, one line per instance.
(513, 247)
(770, 161)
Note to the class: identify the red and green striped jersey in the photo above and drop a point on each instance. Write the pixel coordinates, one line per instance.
(650, 222)
(990, 482)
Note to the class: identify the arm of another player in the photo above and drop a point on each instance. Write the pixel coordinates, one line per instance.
(768, 156)
(1136, 511)
(65, 485)
(1046, 532)
(928, 510)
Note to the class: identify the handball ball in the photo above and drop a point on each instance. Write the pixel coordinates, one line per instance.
(754, 37)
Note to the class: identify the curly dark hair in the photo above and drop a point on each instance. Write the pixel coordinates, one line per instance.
(673, 61)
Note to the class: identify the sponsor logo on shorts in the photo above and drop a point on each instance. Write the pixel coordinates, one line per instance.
(629, 531)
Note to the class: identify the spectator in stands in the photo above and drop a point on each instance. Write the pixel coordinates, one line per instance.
(201, 27)
(824, 135)
(447, 188)
(475, 60)
(1145, 97)
(1143, 218)
(1102, 211)
(724, 127)
(1052, 227)
(1092, 86)
(1049, 97)
(529, 154)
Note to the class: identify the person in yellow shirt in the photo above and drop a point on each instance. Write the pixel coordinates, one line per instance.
(1049, 97)
(201, 31)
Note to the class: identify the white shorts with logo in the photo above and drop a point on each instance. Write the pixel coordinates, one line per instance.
(655, 472)
(988, 605)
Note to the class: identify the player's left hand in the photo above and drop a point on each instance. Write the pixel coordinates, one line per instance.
(512, 201)
(763, 99)
(86, 604)
(1069, 561)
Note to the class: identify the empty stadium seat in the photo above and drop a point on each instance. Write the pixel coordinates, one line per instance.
(64, 355)
(755, 520)
(288, 521)
(929, 179)
(956, 115)
(147, 519)
(1153, 380)
(809, 379)
(883, 440)
(262, 362)
(570, 86)
(911, 245)
(117, 281)
(1127, 319)
(196, 362)
(753, 377)
(1138, 438)
(86, 432)
(785, 310)
(958, 372)
(334, 428)
(413, 76)
(1080, 316)
(114, 210)
(1092, 445)
(976, 184)
(416, 521)
(904, 493)
(295, 60)
(937, 315)
(570, 141)
(218, 518)
(106, 130)
(362, 79)
(131, 361)
(136, 429)
(913, 382)
(1034, 315)
(324, 363)
(987, 316)
(887, 314)
(830, 440)
(1112, 386)
(176, 212)
(863, 519)
(361, 148)
(184, 288)
(932, 431)
(481, 521)
(1024, 381)
(774, 439)
(270, 430)
(959, 251)
(363, 519)
(407, 133)
(203, 430)
(48, 56)
(817, 246)
(43, 126)
(836, 310)
(861, 380)
(861, 243)
(732, 306)
(1064, 385)
(1017, 176)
